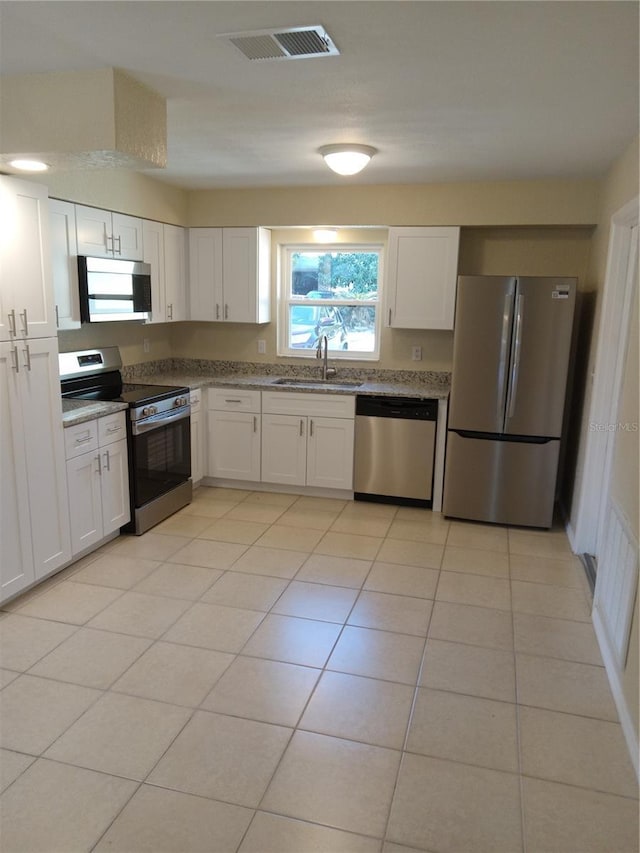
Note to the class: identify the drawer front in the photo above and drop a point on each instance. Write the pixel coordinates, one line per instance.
(311, 405)
(80, 439)
(195, 396)
(233, 400)
(112, 428)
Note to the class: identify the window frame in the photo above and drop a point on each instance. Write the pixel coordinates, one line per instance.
(285, 300)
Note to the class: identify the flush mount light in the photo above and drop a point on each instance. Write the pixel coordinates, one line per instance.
(347, 159)
(325, 235)
(29, 165)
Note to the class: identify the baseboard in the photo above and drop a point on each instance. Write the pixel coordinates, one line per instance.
(613, 674)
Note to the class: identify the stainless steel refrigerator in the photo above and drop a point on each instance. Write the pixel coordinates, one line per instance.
(512, 343)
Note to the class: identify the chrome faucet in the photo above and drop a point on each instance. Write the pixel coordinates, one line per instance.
(322, 352)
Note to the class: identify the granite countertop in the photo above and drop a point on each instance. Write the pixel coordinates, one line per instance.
(407, 383)
(79, 411)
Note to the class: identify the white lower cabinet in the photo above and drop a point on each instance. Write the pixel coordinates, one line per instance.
(233, 434)
(34, 519)
(307, 439)
(197, 436)
(98, 480)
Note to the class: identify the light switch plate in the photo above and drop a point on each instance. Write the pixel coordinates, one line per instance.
(262, 347)
(416, 353)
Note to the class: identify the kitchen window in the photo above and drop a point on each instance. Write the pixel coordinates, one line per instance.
(331, 290)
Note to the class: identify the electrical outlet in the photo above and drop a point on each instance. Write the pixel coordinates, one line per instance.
(146, 346)
(262, 347)
(416, 353)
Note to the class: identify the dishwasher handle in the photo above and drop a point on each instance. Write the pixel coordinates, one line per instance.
(411, 408)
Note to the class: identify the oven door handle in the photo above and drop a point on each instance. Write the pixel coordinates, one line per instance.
(157, 421)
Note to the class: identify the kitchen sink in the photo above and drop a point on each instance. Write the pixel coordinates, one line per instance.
(317, 383)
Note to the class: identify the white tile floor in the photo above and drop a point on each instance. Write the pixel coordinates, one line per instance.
(269, 674)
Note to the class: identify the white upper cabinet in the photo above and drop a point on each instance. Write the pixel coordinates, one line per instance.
(153, 242)
(103, 234)
(421, 273)
(229, 274)
(64, 263)
(175, 273)
(26, 293)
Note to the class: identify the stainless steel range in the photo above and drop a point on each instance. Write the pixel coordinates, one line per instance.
(158, 427)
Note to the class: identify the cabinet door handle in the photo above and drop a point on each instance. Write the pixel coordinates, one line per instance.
(389, 316)
(25, 323)
(119, 239)
(84, 440)
(301, 427)
(311, 428)
(14, 357)
(99, 461)
(226, 312)
(170, 311)
(114, 428)
(108, 237)
(27, 362)
(107, 461)
(217, 311)
(255, 424)
(57, 318)
(12, 322)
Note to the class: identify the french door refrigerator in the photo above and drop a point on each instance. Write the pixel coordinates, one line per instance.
(512, 343)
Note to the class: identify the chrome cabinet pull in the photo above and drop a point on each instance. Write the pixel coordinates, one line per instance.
(226, 312)
(84, 440)
(301, 426)
(311, 428)
(170, 310)
(57, 318)
(14, 358)
(27, 363)
(114, 428)
(12, 322)
(217, 311)
(25, 324)
(108, 237)
(107, 463)
(99, 461)
(232, 401)
(389, 316)
(255, 424)
(119, 239)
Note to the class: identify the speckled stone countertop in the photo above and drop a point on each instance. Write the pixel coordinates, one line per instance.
(79, 411)
(263, 377)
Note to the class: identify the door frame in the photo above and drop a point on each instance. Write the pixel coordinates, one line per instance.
(613, 334)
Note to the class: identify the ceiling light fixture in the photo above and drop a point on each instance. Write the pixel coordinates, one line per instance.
(29, 165)
(325, 235)
(347, 159)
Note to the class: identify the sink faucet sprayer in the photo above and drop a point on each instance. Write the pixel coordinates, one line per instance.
(322, 352)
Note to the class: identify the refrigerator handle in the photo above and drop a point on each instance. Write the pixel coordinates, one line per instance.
(504, 347)
(515, 360)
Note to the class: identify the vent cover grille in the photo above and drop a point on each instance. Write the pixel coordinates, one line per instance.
(292, 43)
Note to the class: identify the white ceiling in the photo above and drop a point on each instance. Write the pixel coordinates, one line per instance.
(447, 91)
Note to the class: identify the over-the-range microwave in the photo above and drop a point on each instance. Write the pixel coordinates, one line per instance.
(113, 289)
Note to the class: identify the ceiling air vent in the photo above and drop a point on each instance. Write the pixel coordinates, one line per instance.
(291, 43)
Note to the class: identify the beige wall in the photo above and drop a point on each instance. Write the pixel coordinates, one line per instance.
(128, 336)
(551, 202)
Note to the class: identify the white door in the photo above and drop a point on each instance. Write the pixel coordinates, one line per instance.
(94, 232)
(284, 449)
(234, 445)
(64, 263)
(16, 557)
(175, 273)
(330, 453)
(25, 257)
(127, 237)
(153, 243)
(240, 274)
(45, 457)
(85, 502)
(114, 469)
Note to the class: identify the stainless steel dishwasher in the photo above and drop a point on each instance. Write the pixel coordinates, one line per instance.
(394, 449)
